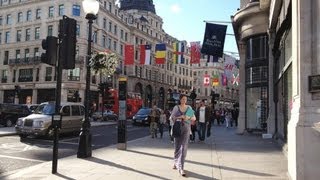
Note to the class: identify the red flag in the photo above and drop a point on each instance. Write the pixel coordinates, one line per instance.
(128, 54)
(206, 80)
(195, 52)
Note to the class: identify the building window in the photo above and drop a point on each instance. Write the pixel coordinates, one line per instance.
(6, 58)
(74, 74)
(18, 35)
(29, 15)
(14, 75)
(28, 32)
(110, 7)
(26, 54)
(104, 41)
(121, 49)
(1, 20)
(104, 23)
(121, 34)
(109, 43)
(110, 26)
(18, 54)
(38, 14)
(78, 30)
(9, 19)
(0, 37)
(61, 10)
(20, 17)
(36, 52)
(115, 46)
(48, 74)
(115, 31)
(126, 36)
(4, 76)
(37, 33)
(51, 11)
(50, 30)
(7, 40)
(256, 79)
(25, 75)
(76, 10)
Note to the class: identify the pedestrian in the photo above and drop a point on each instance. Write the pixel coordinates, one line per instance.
(228, 118)
(162, 122)
(193, 131)
(153, 122)
(181, 142)
(235, 114)
(203, 115)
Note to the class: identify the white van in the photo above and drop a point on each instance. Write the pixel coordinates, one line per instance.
(39, 122)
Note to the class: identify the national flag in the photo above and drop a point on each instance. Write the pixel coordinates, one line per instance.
(128, 54)
(224, 80)
(160, 53)
(212, 59)
(215, 80)
(195, 53)
(206, 80)
(178, 50)
(145, 52)
(235, 79)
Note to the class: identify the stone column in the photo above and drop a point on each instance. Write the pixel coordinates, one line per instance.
(242, 89)
(34, 96)
(271, 116)
(304, 125)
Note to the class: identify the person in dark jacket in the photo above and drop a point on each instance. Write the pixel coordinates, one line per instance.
(203, 116)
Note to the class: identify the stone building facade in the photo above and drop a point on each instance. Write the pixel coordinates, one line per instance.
(283, 37)
(25, 23)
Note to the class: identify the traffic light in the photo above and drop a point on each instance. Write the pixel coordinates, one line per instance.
(67, 33)
(50, 44)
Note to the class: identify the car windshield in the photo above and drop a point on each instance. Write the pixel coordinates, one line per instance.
(144, 111)
(47, 109)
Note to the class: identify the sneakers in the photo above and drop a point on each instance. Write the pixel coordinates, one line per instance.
(182, 173)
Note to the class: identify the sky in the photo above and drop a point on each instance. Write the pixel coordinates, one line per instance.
(184, 19)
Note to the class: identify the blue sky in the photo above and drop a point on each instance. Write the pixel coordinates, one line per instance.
(184, 19)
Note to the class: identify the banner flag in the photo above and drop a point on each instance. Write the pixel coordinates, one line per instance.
(206, 80)
(128, 54)
(212, 59)
(195, 53)
(235, 79)
(145, 53)
(224, 80)
(160, 53)
(178, 50)
(215, 80)
(214, 37)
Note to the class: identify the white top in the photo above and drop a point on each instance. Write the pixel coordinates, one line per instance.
(202, 114)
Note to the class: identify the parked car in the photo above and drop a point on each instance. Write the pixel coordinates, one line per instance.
(143, 116)
(39, 122)
(9, 113)
(105, 116)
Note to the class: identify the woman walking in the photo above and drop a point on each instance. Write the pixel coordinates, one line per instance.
(181, 142)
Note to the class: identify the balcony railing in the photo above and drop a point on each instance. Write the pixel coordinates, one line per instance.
(48, 78)
(37, 60)
(4, 80)
(25, 79)
(24, 61)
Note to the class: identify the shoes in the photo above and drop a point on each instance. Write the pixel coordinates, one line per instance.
(182, 173)
(174, 167)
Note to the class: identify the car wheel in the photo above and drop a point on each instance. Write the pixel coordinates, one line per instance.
(9, 123)
(23, 135)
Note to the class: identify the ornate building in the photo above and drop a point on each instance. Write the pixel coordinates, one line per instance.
(24, 24)
(278, 43)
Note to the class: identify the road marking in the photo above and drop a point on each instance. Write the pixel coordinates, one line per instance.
(20, 158)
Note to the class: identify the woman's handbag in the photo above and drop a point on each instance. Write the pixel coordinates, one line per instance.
(176, 129)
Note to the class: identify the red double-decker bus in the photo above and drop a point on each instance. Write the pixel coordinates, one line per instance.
(134, 102)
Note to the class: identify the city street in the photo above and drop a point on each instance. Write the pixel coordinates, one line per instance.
(16, 154)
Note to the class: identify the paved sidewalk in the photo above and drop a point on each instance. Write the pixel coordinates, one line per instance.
(9, 131)
(224, 155)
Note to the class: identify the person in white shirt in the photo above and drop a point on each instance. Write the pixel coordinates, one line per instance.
(203, 116)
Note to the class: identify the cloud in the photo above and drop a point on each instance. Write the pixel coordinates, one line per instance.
(175, 8)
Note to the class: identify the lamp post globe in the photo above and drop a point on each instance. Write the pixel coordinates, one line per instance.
(91, 8)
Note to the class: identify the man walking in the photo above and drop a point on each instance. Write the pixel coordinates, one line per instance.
(203, 116)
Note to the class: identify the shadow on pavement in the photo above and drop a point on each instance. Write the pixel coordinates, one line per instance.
(63, 176)
(208, 165)
(102, 161)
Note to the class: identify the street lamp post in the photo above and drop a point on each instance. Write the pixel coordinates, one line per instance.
(91, 8)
